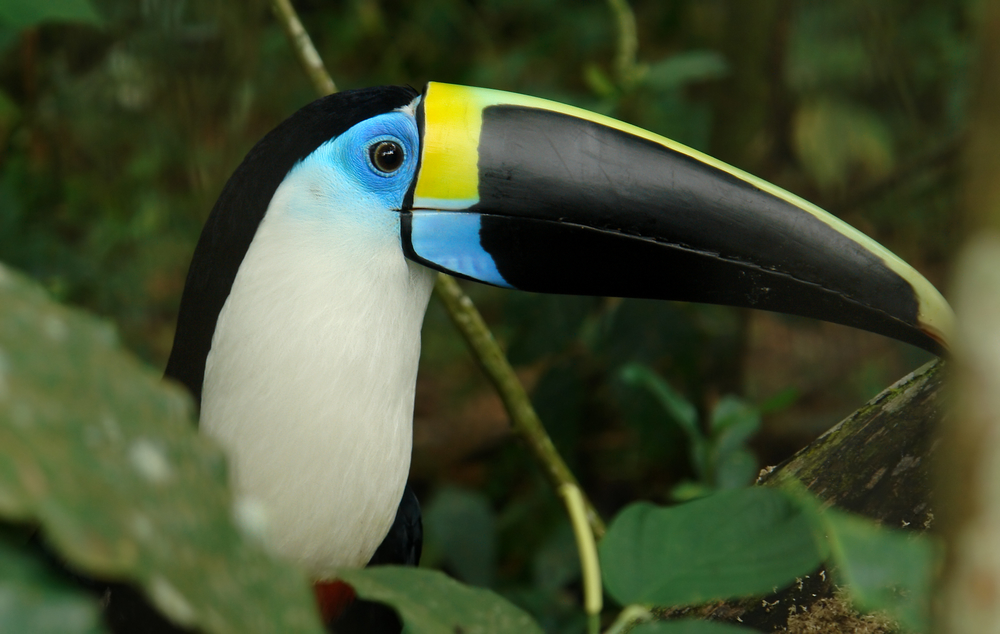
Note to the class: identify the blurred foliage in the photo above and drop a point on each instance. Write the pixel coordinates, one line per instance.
(460, 535)
(752, 541)
(117, 135)
(720, 458)
(886, 570)
(104, 458)
(34, 599)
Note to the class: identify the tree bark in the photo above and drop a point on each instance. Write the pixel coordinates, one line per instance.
(877, 463)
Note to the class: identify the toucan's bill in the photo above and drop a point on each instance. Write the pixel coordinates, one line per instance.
(529, 194)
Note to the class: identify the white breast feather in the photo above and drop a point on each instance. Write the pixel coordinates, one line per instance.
(309, 383)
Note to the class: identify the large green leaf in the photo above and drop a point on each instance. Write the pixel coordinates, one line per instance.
(34, 600)
(882, 568)
(19, 14)
(430, 602)
(679, 408)
(730, 544)
(105, 457)
(690, 626)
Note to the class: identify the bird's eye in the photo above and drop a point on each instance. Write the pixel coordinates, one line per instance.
(386, 156)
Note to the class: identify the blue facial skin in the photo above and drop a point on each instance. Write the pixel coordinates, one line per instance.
(342, 166)
(351, 151)
(344, 189)
(342, 196)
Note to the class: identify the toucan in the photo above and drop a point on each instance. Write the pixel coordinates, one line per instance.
(299, 324)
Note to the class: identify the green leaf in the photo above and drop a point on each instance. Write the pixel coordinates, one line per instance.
(690, 626)
(673, 402)
(730, 544)
(676, 71)
(733, 423)
(834, 138)
(688, 490)
(430, 602)
(21, 14)
(883, 569)
(678, 408)
(462, 526)
(735, 468)
(33, 599)
(104, 455)
(732, 411)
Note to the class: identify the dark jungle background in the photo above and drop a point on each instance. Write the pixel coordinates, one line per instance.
(115, 140)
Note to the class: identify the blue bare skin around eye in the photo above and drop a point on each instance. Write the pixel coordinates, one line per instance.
(346, 187)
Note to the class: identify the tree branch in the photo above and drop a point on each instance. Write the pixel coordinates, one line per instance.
(302, 44)
(877, 462)
(524, 421)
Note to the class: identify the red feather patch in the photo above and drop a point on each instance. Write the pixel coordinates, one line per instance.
(333, 597)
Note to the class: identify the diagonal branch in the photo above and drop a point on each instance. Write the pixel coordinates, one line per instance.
(302, 44)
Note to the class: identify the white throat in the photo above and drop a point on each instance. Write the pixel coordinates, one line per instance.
(310, 379)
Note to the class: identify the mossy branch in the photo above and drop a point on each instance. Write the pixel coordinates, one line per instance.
(463, 313)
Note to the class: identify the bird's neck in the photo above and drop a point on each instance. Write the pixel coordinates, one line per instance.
(310, 380)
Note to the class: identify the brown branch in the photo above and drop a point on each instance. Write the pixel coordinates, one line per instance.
(302, 44)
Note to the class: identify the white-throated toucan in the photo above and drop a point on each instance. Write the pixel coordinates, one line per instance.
(299, 328)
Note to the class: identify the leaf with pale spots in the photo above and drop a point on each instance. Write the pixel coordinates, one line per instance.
(104, 456)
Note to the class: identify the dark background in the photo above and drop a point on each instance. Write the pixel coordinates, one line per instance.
(115, 142)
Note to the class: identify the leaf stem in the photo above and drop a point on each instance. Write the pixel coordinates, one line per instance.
(631, 615)
(590, 566)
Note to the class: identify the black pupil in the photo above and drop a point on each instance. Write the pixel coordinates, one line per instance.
(386, 156)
